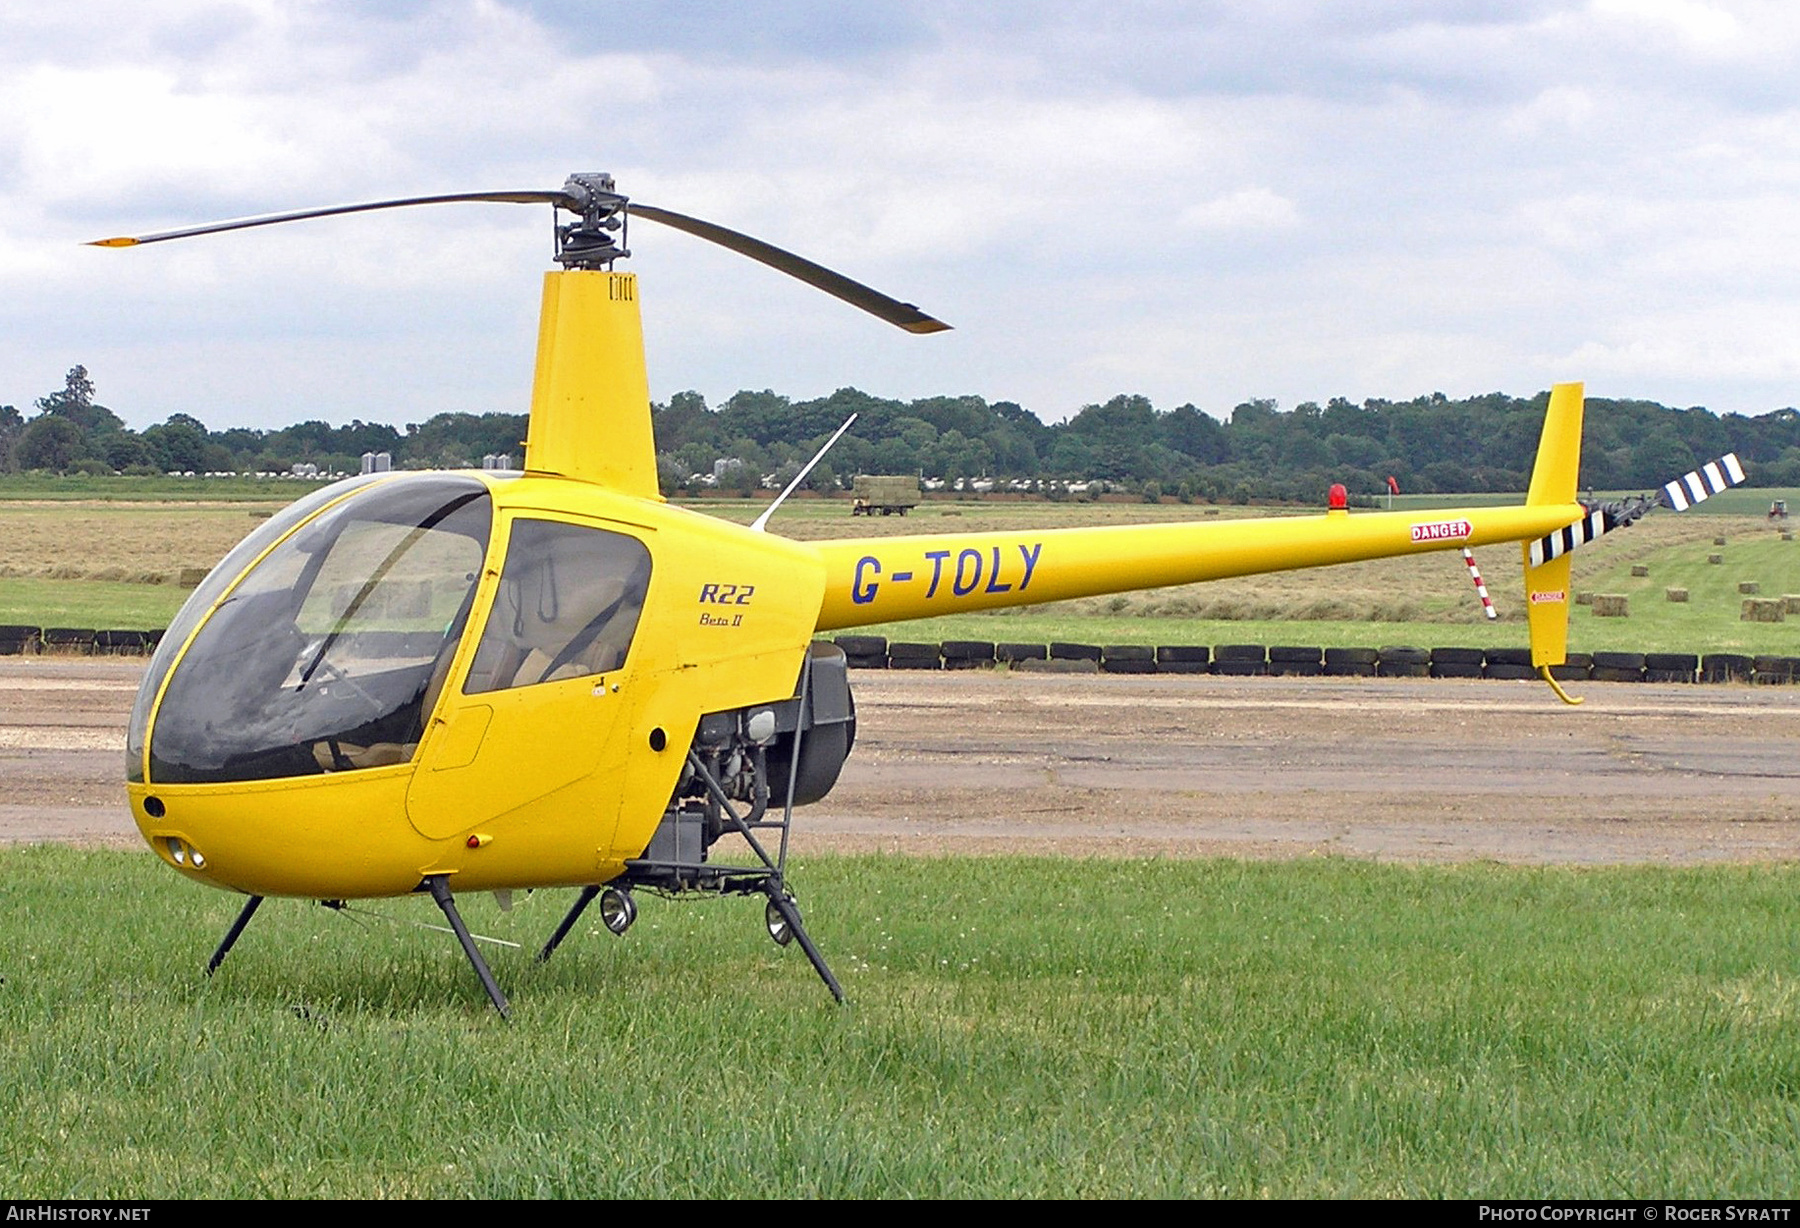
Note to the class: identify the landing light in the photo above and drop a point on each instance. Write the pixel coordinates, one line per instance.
(617, 910)
(777, 921)
(184, 854)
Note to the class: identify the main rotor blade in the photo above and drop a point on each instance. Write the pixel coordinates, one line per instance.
(512, 198)
(906, 315)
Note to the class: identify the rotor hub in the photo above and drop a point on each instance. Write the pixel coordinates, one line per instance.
(591, 243)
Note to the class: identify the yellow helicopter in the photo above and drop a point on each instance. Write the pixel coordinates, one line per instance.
(444, 682)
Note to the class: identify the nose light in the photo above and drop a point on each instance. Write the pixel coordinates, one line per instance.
(184, 854)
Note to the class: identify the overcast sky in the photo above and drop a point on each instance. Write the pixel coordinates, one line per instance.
(1202, 202)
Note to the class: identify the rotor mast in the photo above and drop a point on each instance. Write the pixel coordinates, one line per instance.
(590, 396)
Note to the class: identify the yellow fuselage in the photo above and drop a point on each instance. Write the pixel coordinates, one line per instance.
(555, 783)
(562, 781)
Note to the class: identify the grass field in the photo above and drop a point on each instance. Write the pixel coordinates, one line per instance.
(90, 563)
(1017, 1028)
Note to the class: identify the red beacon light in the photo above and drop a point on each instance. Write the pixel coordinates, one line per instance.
(1338, 498)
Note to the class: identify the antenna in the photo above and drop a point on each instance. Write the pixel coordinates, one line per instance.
(758, 524)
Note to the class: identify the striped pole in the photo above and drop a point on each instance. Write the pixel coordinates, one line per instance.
(1487, 603)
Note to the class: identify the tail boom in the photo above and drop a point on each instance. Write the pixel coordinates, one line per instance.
(893, 579)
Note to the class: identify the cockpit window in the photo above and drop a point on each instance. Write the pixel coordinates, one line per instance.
(197, 605)
(568, 605)
(330, 654)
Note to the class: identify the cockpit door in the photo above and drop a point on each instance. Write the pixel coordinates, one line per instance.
(528, 727)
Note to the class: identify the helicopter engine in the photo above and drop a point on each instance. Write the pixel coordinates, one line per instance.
(764, 756)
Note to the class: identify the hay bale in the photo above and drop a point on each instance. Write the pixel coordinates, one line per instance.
(1762, 610)
(1718, 541)
(1715, 559)
(1790, 603)
(1640, 569)
(1611, 605)
(1749, 588)
(190, 577)
(1677, 594)
(1583, 597)
(1787, 535)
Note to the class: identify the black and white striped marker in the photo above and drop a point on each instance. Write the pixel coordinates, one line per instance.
(1704, 482)
(1564, 540)
(1681, 494)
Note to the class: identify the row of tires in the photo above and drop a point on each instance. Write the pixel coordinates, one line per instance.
(16, 639)
(876, 652)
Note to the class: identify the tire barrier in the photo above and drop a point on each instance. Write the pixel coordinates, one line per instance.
(1575, 668)
(1726, 667)
(1402, 662)
(967, 654)
(1289, 661)
(1671, 666)
(1236, 660)
(1183, 659)
(1514, 665)
(1240, 660)
(1457, 662)
(1128, 659)
(1774, 671)
(76, 641)
(1617, 667)
(1350, 662)
(903, 655)
(1232, 660)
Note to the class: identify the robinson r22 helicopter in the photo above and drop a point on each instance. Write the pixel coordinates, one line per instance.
(439, 682)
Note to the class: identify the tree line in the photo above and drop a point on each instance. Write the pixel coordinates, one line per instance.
(1430, 444)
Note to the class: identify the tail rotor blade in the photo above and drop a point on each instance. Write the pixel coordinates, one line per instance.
(1681, 494)
(1559, 543)
(1704, 482)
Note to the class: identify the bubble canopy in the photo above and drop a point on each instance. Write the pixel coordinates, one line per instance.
(328, 653)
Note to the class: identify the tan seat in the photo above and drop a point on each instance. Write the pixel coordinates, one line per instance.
(519, 647)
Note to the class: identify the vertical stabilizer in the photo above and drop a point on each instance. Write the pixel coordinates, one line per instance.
(1558, 467)
(1553, 481)
(590, 399)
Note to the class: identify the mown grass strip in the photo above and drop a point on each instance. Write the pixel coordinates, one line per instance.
(1017, 1027)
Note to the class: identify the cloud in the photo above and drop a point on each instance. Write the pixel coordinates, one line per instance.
(1201, 202)
(1247, 209)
